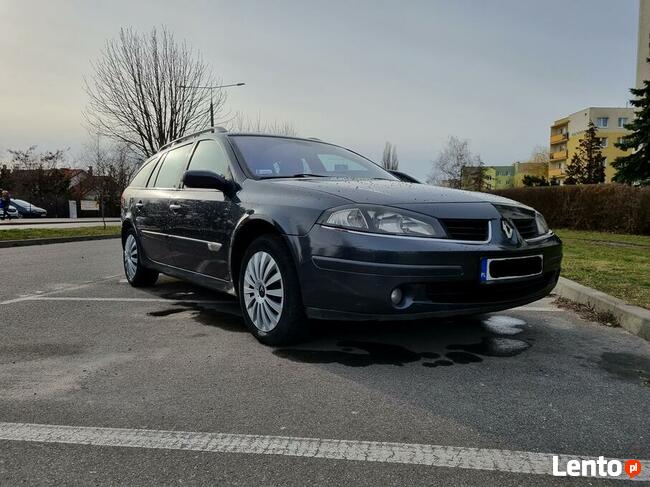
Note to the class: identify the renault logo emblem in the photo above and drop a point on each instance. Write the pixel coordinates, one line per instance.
(507, 228)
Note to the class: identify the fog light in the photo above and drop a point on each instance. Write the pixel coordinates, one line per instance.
(396, 296)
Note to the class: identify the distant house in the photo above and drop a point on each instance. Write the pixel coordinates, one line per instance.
(73, 184)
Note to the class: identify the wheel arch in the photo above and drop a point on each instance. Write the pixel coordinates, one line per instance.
(126, 226)
(247, 230)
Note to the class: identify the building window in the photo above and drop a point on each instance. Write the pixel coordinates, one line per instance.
(622, 122)
(603, 142)
(602, 122)
(619, 140)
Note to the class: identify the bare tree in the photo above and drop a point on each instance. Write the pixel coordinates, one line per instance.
(447, 168)
(389, 159)
(540, 154)
(135, 94)
(243, 123)
(113, 165)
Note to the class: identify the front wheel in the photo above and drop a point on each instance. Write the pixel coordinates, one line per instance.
(136, 273)
(269, 293)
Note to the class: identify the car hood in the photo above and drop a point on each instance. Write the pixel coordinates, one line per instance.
(392, 193)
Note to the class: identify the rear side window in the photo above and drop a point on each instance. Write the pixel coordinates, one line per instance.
(209, 155)
(172, 166)
(142, 176)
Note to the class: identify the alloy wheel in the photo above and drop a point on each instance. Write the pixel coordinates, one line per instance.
(130, 256)
(263, 291)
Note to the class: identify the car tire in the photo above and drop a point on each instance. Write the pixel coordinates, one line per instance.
(136, 273)
(269, 293)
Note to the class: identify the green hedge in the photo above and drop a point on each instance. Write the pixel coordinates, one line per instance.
(602, 207)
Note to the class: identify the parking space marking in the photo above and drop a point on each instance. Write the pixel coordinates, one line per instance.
(349, 450)
(74, 287)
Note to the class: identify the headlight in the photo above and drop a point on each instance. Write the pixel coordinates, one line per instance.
(542, 226)
(383, 220)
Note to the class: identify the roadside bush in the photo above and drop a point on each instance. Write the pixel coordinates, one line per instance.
(600, 207)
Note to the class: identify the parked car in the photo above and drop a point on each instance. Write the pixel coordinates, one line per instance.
(301, 228)
(27, 210)
(13, 213)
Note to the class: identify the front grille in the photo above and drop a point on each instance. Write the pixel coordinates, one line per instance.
(465, 229)
(526, 227)
(474, 292)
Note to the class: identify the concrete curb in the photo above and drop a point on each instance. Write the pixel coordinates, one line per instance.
(54, 240)
(633, 318)
(35, 221)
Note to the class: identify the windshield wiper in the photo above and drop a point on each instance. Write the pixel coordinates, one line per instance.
(307, 175)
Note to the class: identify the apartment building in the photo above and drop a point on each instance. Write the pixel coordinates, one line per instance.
(567, 132)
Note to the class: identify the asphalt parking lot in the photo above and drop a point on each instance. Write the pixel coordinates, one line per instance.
(471, 402)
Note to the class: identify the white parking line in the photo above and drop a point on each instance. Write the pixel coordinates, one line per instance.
(361, 451)
(63, 289)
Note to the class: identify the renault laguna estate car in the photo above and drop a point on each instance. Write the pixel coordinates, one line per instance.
(299, 228)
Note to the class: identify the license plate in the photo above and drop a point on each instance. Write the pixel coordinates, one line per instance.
(511, 267)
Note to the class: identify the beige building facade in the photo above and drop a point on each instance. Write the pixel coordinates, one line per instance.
(567, 132)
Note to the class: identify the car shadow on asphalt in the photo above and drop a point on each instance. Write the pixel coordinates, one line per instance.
(432, 342)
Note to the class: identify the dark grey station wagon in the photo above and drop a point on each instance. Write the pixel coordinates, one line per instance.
(299, 228)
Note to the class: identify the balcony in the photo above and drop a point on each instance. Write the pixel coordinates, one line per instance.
(555, 172)
(559, 155)
(559, 138)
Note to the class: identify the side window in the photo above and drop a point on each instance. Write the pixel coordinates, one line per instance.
(209, 155)
(172, 167)
(142, 176)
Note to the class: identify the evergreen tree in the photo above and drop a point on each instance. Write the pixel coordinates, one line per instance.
(530, 180)
(587, 165)
(478, 176)
(575, 170)
(635, 167)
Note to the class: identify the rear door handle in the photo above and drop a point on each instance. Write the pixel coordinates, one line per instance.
(175, 207)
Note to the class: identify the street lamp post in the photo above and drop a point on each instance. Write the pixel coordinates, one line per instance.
(211, 88)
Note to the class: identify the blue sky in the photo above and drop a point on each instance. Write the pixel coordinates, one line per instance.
(352, 72)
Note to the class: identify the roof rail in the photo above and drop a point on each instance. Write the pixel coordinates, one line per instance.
(189, 136)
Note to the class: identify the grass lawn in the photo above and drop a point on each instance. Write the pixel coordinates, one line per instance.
(618, 265)
(27, 233)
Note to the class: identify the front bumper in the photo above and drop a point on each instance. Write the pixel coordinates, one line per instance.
(350, 275)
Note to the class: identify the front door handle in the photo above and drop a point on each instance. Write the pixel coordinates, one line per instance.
(139, 205)
(175, 207)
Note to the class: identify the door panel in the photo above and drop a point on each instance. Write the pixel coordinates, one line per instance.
(197, 236)
(201, 225)
(156, 205)
(152, 221)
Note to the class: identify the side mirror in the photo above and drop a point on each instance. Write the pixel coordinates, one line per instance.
(209, 180)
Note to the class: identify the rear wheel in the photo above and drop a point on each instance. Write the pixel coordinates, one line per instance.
(136, 273)
(269, 292)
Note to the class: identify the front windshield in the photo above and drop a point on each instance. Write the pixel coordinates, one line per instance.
(279, 157)
(20, 202)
